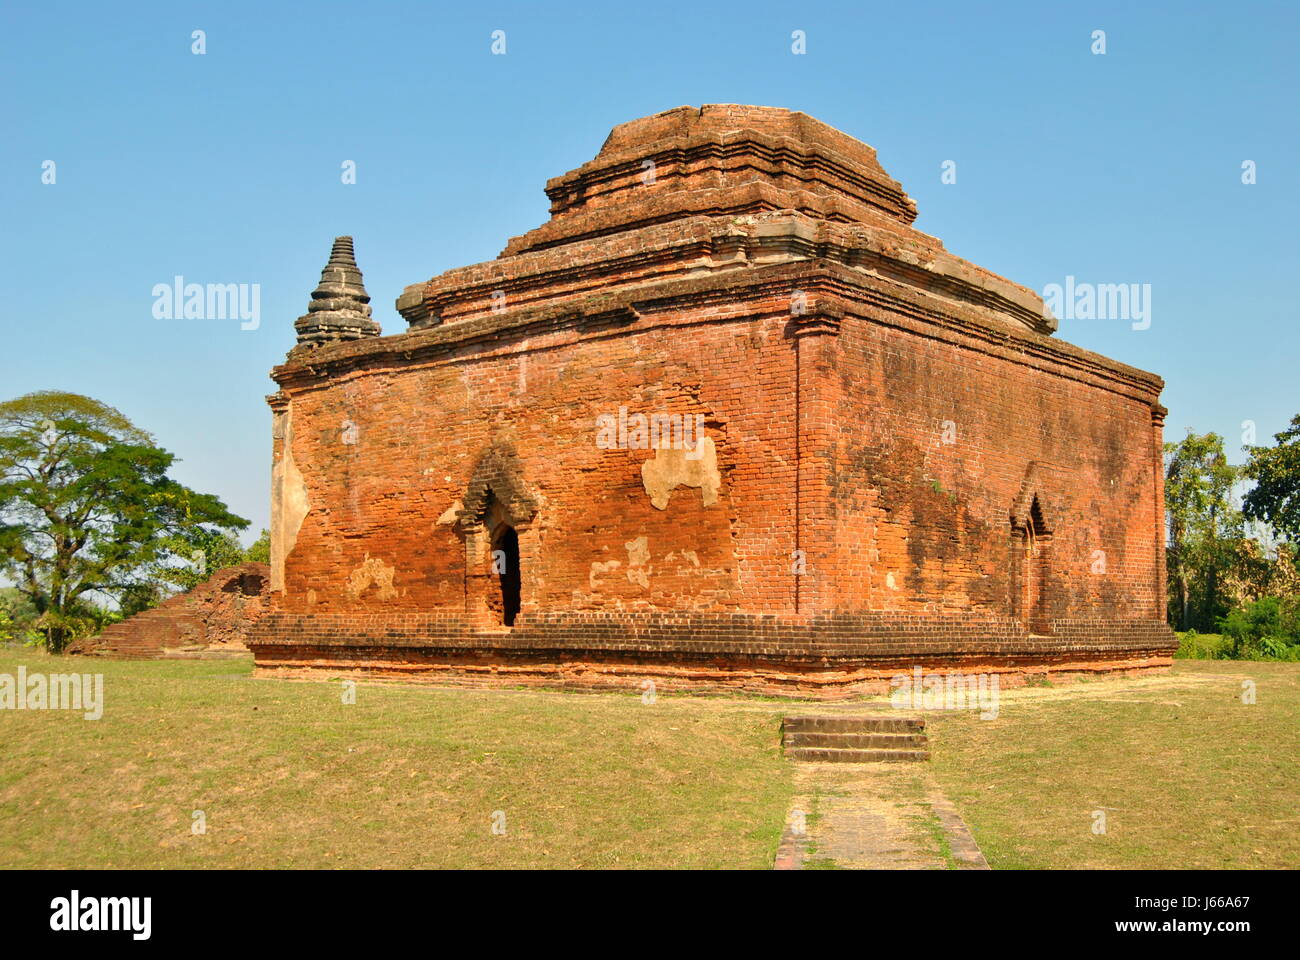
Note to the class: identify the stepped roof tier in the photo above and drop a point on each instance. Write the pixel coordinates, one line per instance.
(723, 187)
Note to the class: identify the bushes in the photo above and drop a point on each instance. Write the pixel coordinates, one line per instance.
(1202, 646)
(1267, 629)
(15, 629)
(1269, 626)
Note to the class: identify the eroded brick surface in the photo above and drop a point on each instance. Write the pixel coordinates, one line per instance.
(213, 619)
(902, 464)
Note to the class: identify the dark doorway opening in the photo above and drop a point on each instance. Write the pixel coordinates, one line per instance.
(505, 559)
(1038, 540)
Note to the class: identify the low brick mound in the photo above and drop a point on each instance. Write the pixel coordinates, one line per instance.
(209, 622)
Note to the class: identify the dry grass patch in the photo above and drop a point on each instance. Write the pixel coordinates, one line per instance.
(289, 776)
(1185, 772)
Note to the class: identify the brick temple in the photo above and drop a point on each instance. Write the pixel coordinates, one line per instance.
(727, 419)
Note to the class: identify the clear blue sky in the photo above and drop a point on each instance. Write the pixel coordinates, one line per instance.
(225, 168)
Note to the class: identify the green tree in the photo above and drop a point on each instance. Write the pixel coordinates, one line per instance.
(217, 549)
(1275, 498)
(86, 508)
(1204, 527)
(17, 617)
(8, 630)
(260, 549)
(207, 552)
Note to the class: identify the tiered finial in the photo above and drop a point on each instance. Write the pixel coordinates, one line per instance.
(340, 307)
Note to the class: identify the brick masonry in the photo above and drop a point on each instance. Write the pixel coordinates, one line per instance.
(211, 620)
(901, 463)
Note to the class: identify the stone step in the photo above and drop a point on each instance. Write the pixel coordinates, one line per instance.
(865, 724)
(855, 741)
(831, 755)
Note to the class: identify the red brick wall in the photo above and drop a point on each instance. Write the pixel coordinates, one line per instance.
(420, 433)
(876, 491)
(924, 524)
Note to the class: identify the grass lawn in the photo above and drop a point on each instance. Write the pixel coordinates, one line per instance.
(289, 776)
(1186, 774)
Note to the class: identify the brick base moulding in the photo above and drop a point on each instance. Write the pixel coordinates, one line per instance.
(822, 658)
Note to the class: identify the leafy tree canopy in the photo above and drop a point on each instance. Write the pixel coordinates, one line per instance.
(260, 549)
(1275, 498)
(86, 506)
(1204, 527)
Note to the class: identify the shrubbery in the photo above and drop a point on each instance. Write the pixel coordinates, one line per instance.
(14, 630)
(1267, 629)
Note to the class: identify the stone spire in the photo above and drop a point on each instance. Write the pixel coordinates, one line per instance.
(340, 307)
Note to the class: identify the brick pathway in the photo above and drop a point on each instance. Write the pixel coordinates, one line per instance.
(874, 817)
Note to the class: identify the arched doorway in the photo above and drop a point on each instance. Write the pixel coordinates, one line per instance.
(1033, 600)
(496, 519)
(505, 564)
(1037, 545)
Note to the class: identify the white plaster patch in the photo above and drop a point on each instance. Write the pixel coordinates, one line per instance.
(638, 558)
(670, 469)
(372, 571)
(289, 503)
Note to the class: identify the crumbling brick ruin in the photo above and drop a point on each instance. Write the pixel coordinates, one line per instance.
(725, 420)
(211, 620)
